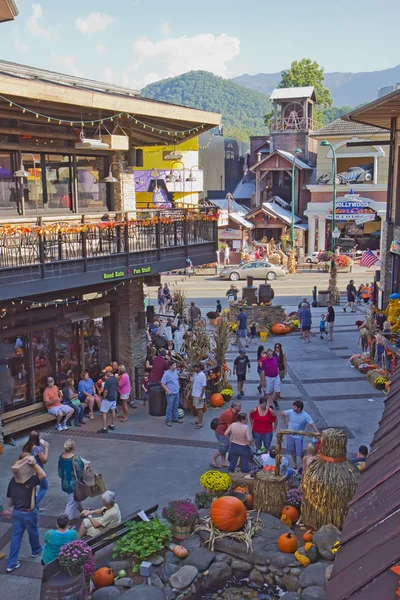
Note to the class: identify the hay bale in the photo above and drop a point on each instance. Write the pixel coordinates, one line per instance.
(270, 493)
(372, 375)
(329, 483)
(357, 362)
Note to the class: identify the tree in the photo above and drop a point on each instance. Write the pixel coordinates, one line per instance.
(305, 73)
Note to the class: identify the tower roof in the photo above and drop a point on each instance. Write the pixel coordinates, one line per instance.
(293, 93)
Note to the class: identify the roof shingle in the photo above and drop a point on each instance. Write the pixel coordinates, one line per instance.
(345, 128)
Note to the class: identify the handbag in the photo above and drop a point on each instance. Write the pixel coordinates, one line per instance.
(81, 490)
(99, 486)
(75, 402)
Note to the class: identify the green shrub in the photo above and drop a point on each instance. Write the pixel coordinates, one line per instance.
(143, 540)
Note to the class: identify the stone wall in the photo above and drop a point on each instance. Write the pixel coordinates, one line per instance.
(264, 316)
(124, 188)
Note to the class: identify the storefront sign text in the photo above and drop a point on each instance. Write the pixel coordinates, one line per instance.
(127, 273)
(353, 210)
(114, 275)
(141, 270)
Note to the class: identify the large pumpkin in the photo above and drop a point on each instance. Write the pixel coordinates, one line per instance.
(228, 513)
(291, 512)
(278, 329)
(103, 577)
(287, 543)
(217, 400)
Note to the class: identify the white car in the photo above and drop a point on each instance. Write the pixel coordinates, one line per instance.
(313, 257)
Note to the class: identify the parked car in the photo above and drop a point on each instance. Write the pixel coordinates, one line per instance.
(259, 269)
(313, 257)
(359, 174)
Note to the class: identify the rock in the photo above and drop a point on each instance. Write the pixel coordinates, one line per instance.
(261, 568)
(156, 581)
(171, 558)
(191, 543)
(107, 593)
(286, 570)
(218, 575)
(290, 596)
(142, 592)
(204, 513)
(221, 556)
(183, 577)
(201, 558)
(328, 572)
(157, 561)
(274, 569)
(124, 582)
(279, 581)
(296, 571)
(241, 565)
(324, 539)
(169, 593)
(291, 582)
(269, 578)
(313, 593)
(313, 575)
(119, 565)
(166, 570)
(256, 577)
(281, 559)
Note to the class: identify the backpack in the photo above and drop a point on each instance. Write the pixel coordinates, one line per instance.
(214, 423)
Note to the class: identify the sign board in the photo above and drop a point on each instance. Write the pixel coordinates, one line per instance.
(352, 209)
(230, 234)
(126, 273)
(395, 247)
(223, 218)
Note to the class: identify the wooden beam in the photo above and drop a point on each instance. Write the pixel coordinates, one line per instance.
(39, 133)
(53, 149)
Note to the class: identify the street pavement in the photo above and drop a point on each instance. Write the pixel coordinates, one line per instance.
(145, 462)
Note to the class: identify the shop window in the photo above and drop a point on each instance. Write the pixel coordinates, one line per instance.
(41, 360)
(92, 191)
(355, 170)
(67, 353)
(58, 173)
(96, 343)
(32, 187)
(8, 190)
(13, 372)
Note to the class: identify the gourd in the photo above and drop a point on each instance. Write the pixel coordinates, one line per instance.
(312, 553)
(291, 512)
(278, 329)
(217, 400)
(288, 543)
(285, 519)
(303, 560)
(228, 513)
(181, 551)
(103, 577)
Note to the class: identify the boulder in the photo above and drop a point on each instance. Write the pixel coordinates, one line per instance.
(291, 582)
(241, 565)
(157, 561)
(328, 572)
(171, 558)
(191, 543)
(156, 581)
(217, 576)
(166, 570)
(296, 571)
(222, 556)
(256, 577)
(119, 565)
(169, 593)
(281, 559)
(143, 592)
(313, 593)
(324, 539)
(183, 577)
(313, 575)
(262, 568)
(291, 596)
(201, 558)
(124, 582)
(107, 593)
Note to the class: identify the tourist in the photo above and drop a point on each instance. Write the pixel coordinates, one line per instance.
(149, 360)
(257, 254)
(227, 253)
(218, 308)
(271, 382)
(109, 516)
(330, 320)
(171, 349)
(160, 299)
(308, 458)
(351, 296)
(218, 258)
(362, 455)
(282, 362)
(40, 450)
(124, 389)
(160, 365)
(87, 391)
(109, 402)
(232, 293)
(242, 328)
(225, 419)
(145, 387)
(23, 509)
(70, 398)
(371, 292)
(52, 400)
(365, 294)
(171, 325)
(240, 366)
(99, 385)
(253, 333)
(359, 298)
(198, 394)
(70, 469)
(269, 463)
(194, 313)
(170, 384)
(240, 439)
(54, 539)
(260, 358)
(305, 321)
(322, 326)
(114, 368)
(296, 419)
(167, 296)
(304, 301)
(263, 423)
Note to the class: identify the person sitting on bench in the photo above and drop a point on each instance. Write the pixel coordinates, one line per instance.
(52, 399)
(109, 516)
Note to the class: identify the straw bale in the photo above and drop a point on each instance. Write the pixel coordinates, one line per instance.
(270, 493)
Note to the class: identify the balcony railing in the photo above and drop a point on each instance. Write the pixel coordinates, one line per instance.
(293, 123)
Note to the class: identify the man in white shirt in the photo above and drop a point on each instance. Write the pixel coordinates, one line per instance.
(198, 393)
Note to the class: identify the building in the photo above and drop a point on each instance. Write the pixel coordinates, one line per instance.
(233, 227)
(362, 167)
(8, 10)
(384, 114)
(387, 89)
(273, 219)
(74, 247)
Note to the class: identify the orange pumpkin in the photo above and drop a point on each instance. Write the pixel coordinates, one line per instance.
(181, 551)
(288, 543)
(217, 400)
(228, 513)
(249, 501)
(278, 329)
(307, 537)
(291, 512)
(387, 388)
(103, 577)
(241, 489)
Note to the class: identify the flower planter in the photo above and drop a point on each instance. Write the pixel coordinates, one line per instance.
(181, 532)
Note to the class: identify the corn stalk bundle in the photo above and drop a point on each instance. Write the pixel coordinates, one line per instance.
(178, 295)
(329, 483)
(222, 337)
(196, 345)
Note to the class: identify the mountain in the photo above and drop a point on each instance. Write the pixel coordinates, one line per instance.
(346, 88)
(242, 109)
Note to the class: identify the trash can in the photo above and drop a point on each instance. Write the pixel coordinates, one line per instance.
(157, 402)
(323, 298)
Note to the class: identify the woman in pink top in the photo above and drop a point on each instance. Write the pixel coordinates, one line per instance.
(124, 389)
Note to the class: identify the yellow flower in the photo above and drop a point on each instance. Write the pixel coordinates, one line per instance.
(215, 481)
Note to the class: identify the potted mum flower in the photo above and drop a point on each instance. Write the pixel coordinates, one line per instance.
(182, 515)
(74, 556)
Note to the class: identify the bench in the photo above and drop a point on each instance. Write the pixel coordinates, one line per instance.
(102, 540)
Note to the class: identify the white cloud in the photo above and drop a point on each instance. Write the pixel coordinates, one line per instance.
(151, 78)
(179, 55)
(65, 63)
(100, 48)
(165, 29)
(35, 28)
(93, 22)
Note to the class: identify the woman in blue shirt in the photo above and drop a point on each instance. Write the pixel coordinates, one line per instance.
(54, 539)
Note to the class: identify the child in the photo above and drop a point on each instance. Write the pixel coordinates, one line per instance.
(322, 326)
(309, 457)
(145, 387)
(219, 307)
(253, 332)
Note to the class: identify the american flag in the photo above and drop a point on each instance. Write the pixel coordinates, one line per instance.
(368, 259)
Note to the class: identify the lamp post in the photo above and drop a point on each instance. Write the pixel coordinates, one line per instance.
(296, 151)
(334, 235)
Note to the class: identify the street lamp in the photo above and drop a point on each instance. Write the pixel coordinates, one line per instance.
(333, 237)
(296, 151)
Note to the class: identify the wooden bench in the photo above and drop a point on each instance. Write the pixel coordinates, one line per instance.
(102, 540)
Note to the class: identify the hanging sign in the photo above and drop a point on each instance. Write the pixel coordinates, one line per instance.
(395, 247)
(351, 209)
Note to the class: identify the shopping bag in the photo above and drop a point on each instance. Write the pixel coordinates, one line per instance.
(99, 487)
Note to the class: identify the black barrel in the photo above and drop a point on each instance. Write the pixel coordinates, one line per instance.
(157, 402)
(265, 293)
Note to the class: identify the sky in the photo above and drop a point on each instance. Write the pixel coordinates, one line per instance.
(133, 43)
